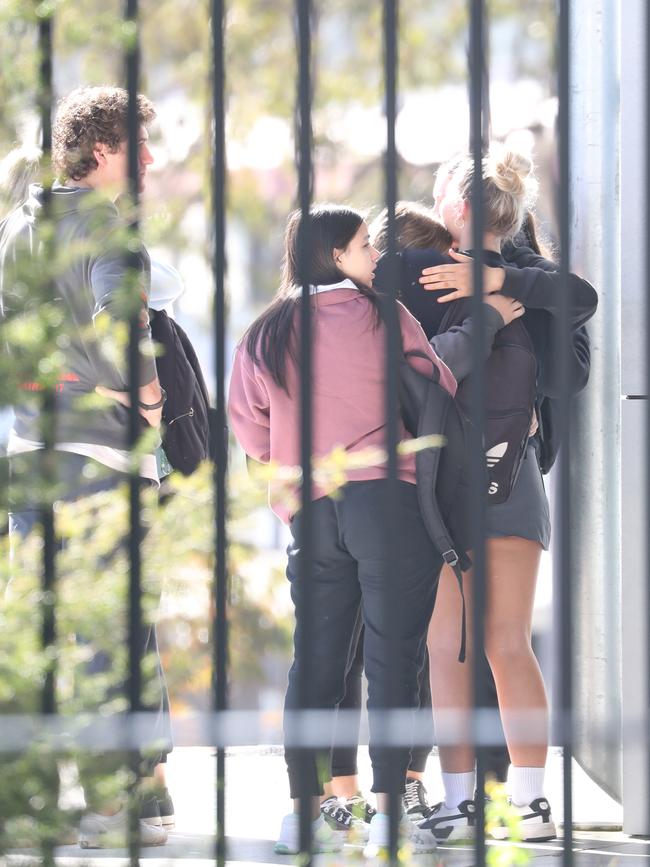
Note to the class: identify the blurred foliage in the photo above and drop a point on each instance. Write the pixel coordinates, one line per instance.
(260, 82)
(91, 617)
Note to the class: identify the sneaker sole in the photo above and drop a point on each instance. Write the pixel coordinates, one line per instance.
(320, 849)
(102, 841)
(456, 835)
(373, 850)
(541, 833)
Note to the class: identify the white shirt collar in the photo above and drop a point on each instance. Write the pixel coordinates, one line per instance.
(343, 284)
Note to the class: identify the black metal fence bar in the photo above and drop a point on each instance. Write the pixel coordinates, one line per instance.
(392, 598)
(135, 626)
(477, 84)
(48, 604)
(48, 704)
(304, 612)
(646, 387)
(220, 445)
(562, 553)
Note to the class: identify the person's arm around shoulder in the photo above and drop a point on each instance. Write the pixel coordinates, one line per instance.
(454, 346)
(419, 352)
(249, 408)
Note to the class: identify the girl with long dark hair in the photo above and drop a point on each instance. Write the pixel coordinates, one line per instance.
(350, 557)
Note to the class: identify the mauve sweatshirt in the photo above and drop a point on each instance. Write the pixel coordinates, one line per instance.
(347, 393)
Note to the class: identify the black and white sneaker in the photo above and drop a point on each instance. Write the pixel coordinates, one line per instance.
(451, 824)
(414, 799)
(340, 819)
(360, 808)
(158, 809)
(535, 822)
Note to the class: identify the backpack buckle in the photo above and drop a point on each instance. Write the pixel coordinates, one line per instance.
(450, 557)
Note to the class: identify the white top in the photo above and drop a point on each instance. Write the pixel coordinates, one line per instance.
(166, 286)
(344, 284)
(116, 459)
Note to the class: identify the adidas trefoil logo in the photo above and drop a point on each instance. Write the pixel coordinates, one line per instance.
(494, 455)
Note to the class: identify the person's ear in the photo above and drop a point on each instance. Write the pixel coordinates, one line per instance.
(337, 254)
(99, 152)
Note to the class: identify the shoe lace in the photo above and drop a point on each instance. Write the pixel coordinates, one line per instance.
(337, 812)
(414, 795)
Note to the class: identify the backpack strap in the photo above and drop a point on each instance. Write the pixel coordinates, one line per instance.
(433, 417)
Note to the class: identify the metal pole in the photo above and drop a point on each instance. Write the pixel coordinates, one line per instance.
(220, 589)
(595, 435)
(304, 614)
(48, 418)
(477, 64)
(134, 685)
(563, 600)
(391, 595)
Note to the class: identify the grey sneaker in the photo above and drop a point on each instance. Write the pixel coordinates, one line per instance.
(112, 832)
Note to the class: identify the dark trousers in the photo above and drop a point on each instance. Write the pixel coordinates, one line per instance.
(344, 757)
(348, 576)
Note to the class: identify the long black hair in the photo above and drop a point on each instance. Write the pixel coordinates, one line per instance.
(271, 336)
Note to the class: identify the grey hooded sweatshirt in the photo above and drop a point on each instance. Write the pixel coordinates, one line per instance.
(87, 277)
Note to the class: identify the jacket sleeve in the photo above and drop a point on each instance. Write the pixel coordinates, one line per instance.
(249, 408)
(454, 346)
(579, 365)
(419, 352)
(536, 283)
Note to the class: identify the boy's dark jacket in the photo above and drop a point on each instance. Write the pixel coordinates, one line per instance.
(186, 413)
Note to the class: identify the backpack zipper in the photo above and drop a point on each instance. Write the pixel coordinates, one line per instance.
(184, 415)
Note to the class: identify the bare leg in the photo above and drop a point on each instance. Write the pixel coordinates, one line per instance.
(342, 787)
(451, 681)
(511, 578)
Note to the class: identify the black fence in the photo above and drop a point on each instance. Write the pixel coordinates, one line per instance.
(220, 731)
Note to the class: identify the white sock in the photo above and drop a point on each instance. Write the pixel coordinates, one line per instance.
(458, 787)
(525, 784)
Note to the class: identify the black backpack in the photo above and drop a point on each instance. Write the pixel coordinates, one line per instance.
(510, 390)
(441, 473)
(186, 412)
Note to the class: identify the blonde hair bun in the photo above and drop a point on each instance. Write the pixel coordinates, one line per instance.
(511, 172)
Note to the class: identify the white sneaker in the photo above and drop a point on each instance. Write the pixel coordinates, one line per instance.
(419, 841)
(112, 832)
(324, 838)
(535, 822)
(449, 824)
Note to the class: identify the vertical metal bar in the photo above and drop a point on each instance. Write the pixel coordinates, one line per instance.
(47, 516)
(305, 613)
(477, 72)
(393, 343)
(646, 391)
(48, 605)
(134, 683)
(220, 625)
(562, 552)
